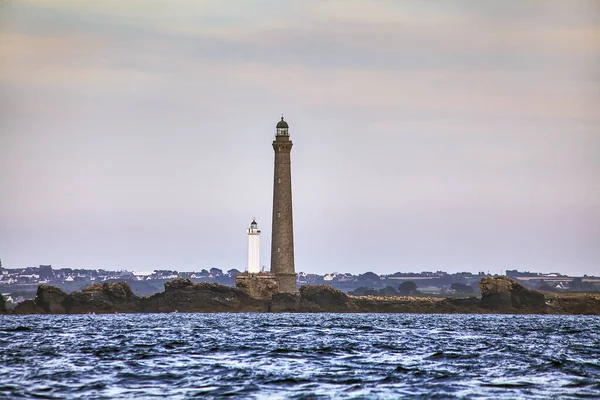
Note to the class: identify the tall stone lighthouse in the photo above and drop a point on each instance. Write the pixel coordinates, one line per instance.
(282, 240)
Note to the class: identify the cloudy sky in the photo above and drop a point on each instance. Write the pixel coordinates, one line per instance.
(428, 135)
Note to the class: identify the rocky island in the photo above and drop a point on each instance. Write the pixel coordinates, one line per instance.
(498, 295)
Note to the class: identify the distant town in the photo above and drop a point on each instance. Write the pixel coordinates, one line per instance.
(18, 284)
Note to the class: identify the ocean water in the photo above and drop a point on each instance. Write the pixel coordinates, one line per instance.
(299, 356)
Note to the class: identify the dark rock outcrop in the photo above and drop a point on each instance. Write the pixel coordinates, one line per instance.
(317, 298)
(505, 294)
(499, 295)
(325, 298)
(110, 297)
(466, 303)
(574, 303)
(417, 305)
(50, 299)
(178, 284)
(285, 302)
(184, 296)
(2, 304)
(28, 307)
(107, 298)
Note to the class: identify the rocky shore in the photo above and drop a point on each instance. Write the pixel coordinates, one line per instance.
(498, 295)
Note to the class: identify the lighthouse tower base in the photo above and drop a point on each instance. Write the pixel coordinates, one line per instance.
(287, 283)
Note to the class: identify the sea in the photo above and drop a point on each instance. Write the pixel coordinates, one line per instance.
(299, 356)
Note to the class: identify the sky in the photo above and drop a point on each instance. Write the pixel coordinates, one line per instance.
(428, 135)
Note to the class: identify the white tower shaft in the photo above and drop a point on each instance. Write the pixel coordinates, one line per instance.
(253, 248)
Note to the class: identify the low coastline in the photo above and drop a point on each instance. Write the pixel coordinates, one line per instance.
(500, 295)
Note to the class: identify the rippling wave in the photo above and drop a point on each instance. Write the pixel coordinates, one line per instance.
(299, 356)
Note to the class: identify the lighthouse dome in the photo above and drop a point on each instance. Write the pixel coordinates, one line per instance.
(282, 124)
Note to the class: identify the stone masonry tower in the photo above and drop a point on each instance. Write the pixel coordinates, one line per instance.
(282, 240)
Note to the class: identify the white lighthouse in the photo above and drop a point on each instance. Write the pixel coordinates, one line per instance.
(253, 248)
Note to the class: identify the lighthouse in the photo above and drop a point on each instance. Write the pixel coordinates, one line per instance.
(282, 276)
(282, 239)
(253, 248)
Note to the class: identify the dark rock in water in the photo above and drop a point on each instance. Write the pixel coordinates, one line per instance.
(502, 293)
(110, 297)
(575, 303)
(414, 304)
(468, 303)
(317, 298)
(327, 298)
(50, 299)
(498, 295)
(19, 328)
(178, 284)
(522, 297)
(28, 307)
(88, 302)
(495, 293)
(2, 304)
(107, 298)
(285, 302)
(122, 297)
(184, 296)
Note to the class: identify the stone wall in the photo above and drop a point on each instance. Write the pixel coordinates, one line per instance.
(259, 286)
